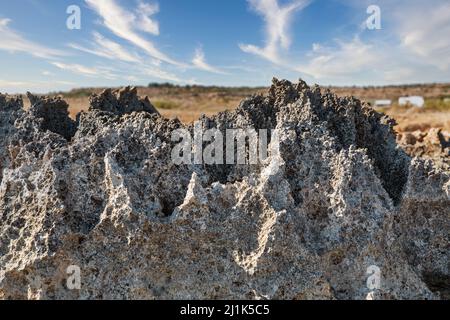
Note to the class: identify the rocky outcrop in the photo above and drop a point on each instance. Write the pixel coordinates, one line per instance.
(120, 102)
(52, 115)
(434, 144)
(339, 207)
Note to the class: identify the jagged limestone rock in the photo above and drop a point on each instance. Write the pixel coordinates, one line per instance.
(121, 101)
(53, 115)
(434, 144)
(340, 198)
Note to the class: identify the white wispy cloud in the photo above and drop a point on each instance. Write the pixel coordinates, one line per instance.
(161, 74)
(399, 74)
(126, 25)
(144, 21)
(199, 62)
(420, 27)
(413, 45)
(107, 48)
(343, 60)
(424, 29)
(5, 84)
(12, 41)
(277, 21)
(13, 87)
(135, 64)
(86, 71)
(409, 48)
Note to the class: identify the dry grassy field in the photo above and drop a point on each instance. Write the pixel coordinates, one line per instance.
(188, 103)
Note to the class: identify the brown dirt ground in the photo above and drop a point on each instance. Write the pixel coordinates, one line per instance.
(188, 103)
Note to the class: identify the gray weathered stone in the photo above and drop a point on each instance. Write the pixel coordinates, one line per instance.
(307, 223)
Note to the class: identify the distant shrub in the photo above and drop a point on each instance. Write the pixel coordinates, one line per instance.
(437, 105)
(77, 93)
(166, 105)
(161, 85)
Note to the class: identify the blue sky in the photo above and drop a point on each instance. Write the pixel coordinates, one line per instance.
(231, 43)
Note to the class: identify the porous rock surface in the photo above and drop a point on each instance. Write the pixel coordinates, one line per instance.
(434, 144)
(102, 193)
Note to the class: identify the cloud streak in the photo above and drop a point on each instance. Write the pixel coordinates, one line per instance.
(200, 63)
(277, 21)
(109, 49)
(409, 48)
(85, 71)
(39, 86)
(428, 38)
(12, 41)
(144, 21)
(347, 59)
(126, 24)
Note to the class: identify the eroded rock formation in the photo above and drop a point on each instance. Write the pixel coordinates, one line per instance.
(102, 193)
(434, 144)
